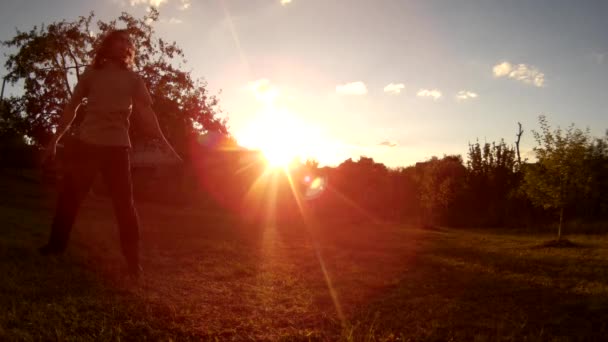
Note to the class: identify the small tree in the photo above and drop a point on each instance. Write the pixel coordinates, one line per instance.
(440, 182)
(491, 179)
(559, 175)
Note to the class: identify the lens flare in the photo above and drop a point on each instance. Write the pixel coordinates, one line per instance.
(314, 187)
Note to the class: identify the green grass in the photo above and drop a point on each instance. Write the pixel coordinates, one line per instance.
(211, 276)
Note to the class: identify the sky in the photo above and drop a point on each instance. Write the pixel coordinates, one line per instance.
(396, 80)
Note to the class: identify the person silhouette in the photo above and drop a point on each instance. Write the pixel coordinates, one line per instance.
(112, 91)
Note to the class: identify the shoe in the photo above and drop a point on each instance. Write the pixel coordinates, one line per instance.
(49, 250)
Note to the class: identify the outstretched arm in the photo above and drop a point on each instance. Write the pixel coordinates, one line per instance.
(67, 117)
(151, 126)
(142, 103)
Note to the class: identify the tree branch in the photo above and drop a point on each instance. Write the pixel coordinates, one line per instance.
(519, 133)
(64, 73)
(75, 62)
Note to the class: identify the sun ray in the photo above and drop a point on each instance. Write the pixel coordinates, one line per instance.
(296, 195)
(309, 223)
(258, 184)
(245, 167)
(271, 202)
(235, 36)
(330, 287)
(281, 138)
(354, 204)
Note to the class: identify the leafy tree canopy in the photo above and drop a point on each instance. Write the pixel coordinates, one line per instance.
(560, 175)
(49, 60)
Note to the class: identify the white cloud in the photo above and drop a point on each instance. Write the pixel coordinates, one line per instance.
(389, 143)
(182, 4)
(263, 90)
(466, 95)
(353, 88)
(520, 72)
(175, 21)
(185, 4)
(155, 3)
(502, 69)
(394, 88)
(285, 2)
(434, 93)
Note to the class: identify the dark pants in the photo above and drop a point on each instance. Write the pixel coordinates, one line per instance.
(84, 162)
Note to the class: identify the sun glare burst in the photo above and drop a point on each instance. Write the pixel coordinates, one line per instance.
(283, 138)
(278, 156)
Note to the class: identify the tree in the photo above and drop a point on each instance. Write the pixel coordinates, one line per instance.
(15, 152)
(50, 59)
(559, 176)
(12, 125)
(491, 181)
(440, 182)
(596, 201)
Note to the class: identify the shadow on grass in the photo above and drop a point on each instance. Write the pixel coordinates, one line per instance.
(475, 300)
(63, 298)
(54, 298)
(560, 243)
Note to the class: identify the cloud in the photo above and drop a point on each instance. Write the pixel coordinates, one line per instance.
(434, 93)
(520, 72)
(466, 95)
(502, 69)
(171, 20)
(285, 2)
(263, 90)
(155, 3)
(185, 4)
(394, 88)
(388, 143)
(353, 88)
(182, 6)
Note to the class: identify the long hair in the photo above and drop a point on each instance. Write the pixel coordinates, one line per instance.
(104, 52)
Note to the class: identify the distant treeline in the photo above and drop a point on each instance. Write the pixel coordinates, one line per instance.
(492, 188)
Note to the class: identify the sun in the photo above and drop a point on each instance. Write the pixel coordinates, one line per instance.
(282, 138)
(278, 156)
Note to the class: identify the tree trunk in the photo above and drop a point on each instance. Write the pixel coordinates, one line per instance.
(520, 131)
(561, 220)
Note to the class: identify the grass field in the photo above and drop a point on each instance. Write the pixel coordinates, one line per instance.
(210, 276)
